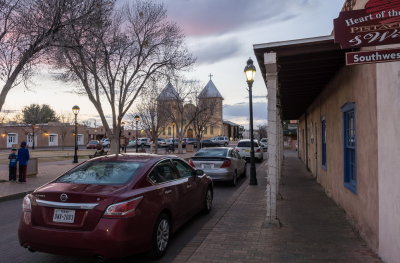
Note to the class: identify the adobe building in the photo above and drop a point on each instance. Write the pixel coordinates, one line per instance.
(344, 91)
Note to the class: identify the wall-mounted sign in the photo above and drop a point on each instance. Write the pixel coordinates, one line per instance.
(377, 24)
(376, 56)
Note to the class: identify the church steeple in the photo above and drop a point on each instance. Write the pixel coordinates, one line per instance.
(210, 90)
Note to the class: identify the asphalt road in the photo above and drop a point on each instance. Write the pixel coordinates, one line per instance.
(11, 251)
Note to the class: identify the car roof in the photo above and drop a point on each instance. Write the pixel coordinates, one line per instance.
(125, 157)
(216, 148)
(247, 140)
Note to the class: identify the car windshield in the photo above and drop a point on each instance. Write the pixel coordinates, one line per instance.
(246, 144)
(93, 142)
(211, 153)
(104, 173)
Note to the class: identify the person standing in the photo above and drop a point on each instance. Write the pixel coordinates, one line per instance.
(12, 175)
(23, 158)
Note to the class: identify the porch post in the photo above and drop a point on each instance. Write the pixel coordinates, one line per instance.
(274, 138)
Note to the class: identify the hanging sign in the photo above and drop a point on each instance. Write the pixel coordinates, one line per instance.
(377, 24)
(376, 56)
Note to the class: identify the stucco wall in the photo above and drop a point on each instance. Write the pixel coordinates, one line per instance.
(351, 84)
(388, 103)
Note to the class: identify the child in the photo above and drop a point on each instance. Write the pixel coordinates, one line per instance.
(12, 176)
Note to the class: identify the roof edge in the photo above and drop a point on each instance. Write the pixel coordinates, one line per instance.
(293, 42)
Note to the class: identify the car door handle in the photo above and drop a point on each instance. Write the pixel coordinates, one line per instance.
(188, 186)
(167, 192)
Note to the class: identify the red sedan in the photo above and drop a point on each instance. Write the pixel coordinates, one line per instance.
(114, 206)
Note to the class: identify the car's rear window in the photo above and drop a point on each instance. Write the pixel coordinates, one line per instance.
(246, 144)
(104, 173)
(211, 153)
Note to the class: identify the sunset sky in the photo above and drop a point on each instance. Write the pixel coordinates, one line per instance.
(221, 34)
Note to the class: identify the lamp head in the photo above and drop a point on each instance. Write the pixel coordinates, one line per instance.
(250, 71)
(75, 109)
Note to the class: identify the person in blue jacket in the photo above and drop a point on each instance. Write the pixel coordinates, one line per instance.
(23, 158)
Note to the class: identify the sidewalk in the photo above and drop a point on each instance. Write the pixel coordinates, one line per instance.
(47, 171)
(313, 228)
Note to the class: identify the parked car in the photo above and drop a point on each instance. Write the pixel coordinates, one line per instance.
(264, 143)
(168, 142)
(244, 146)
(208, 143)
(191, 141)
(142, 142)
(114, 206)
(221, 140)
(92, 144)
(105, 142)
(221, 163)
(160, 142)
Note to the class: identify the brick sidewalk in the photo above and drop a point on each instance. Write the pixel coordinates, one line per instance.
(313, 228)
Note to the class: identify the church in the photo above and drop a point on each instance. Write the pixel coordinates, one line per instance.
(185, 118)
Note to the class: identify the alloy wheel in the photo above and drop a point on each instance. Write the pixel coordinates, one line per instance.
(163, 234)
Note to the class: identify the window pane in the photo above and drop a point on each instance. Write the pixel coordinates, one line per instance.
(104, 173)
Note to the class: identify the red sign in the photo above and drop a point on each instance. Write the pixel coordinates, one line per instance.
(377, 24)
(368, 57)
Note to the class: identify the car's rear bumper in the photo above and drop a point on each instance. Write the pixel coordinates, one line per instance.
(112, 238)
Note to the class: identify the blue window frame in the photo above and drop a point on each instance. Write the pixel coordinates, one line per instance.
(349, 139)
(323, 142)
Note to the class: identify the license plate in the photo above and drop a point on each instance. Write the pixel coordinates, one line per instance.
(64, 216)
(207, 166)
(247, 151)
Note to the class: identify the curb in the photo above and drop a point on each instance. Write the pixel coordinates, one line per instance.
(14, 196)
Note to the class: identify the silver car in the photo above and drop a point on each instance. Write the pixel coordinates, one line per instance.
(220, 163)
(244, 148)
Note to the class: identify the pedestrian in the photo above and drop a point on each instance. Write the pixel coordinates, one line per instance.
(23, 158)
(12, 175)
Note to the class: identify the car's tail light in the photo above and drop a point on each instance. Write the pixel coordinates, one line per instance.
(26, 204)
(123, 209)
(258, 150)
(226, 164)
(191, 163)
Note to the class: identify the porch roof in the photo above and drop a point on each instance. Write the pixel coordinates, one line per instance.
(305, 67)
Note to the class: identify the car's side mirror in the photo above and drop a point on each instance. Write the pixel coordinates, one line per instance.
(198, 172)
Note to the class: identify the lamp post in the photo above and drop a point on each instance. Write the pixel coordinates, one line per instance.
(33, 135)
(137, 118)
(173, 136)
(250, 71)
(75, 110)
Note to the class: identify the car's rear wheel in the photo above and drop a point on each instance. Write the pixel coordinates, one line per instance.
(225, 144)
(208, 201)
(161, 235)
(234, 179)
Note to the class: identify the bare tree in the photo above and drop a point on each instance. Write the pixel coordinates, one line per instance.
(115, 62)
(201, 115)
(262, 131)
(152, 113)
(28, 28)
(65, 127)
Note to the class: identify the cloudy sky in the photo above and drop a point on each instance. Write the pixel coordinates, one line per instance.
(221, 34)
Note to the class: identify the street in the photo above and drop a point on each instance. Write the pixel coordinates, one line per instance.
(11, 251)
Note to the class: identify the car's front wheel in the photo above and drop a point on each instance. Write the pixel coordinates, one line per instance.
(161, 235)
(208, 201)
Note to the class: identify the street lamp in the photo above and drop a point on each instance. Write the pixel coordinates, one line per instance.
(33, 135)
(250, 71)
(173, 136)
(75, 110)
(137, 119)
